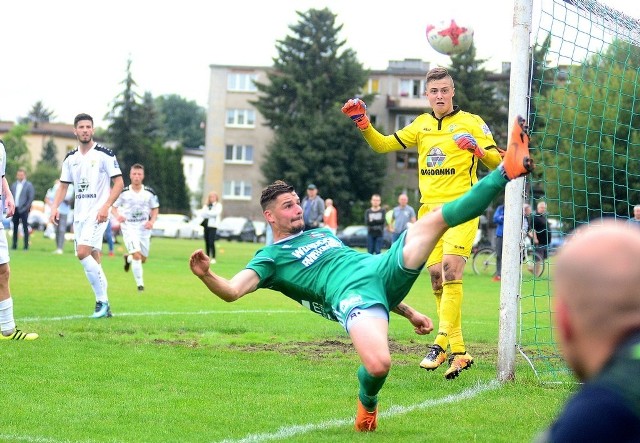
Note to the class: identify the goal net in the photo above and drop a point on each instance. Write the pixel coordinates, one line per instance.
(585, 122)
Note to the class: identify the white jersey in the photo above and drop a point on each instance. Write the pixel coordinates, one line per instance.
(136, 206)
(91, 175)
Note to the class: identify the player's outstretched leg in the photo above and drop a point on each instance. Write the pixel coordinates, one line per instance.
(517, 161)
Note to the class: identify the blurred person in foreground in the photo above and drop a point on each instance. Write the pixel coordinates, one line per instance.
(136, 209)
(597, 320)
(91, 168)
(8, 329)
(356, 289)
(451, 143)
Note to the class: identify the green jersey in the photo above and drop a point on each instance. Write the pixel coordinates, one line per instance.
(315, 269)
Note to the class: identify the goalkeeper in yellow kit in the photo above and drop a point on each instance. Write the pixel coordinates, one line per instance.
(450, 143)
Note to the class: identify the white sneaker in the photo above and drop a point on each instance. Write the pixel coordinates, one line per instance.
(212, 261)
(58, 251)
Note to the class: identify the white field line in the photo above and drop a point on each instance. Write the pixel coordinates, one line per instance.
(290, 431)
(150, 314)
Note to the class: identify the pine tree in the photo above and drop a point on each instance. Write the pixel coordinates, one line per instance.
(314, 141)
(475, 94)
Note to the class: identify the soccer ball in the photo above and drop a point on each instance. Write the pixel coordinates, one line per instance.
(448, 38)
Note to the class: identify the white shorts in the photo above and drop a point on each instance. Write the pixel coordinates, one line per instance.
(136, 238)
(4, 247)
(89, 233)
(357, 314)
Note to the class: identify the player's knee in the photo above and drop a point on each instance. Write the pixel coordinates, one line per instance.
(379, 367)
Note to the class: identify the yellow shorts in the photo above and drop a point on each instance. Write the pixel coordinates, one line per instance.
(456, 241)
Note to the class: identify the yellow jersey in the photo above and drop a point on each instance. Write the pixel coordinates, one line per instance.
(445, 171)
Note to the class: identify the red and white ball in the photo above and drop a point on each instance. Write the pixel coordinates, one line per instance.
(447, 37)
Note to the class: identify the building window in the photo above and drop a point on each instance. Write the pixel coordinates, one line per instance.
(241, 118)
(373, 86)
(237, 190)
(403, 120)
(242, 82)
(238, 154)
(412, 88)
(407, 160)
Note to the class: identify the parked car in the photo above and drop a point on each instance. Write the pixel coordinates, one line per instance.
(356, 236)
(261, 230)
(236, 228)
(170, 225)
(193, 229)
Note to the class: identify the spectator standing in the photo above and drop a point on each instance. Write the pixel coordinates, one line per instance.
(498, 219)
(402, 215)
(540, 234)
(8, 329)
(374, 218)
(636, 215)
(330, 217)
(136, 209)
(91, 168)
(211, 214)
(312, 208)
(596, 307)
(63, 214)
(24, 194)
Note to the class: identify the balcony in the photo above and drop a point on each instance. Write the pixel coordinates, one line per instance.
(399, 103)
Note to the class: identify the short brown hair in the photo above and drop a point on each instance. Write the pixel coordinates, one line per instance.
(81, 117)
(271, 192)
(438, 74)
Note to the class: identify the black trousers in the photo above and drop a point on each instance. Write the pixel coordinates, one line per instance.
(210, 241)
(20, 217)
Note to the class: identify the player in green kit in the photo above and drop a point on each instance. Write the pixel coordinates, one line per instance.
(356, 289)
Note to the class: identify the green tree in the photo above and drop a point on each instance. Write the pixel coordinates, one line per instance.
(135, 136)
(17, 150)
(43, 177)
(50, 153)
(38, 114)
(165, 174)
(590, 148)
(182, 120)
(476, 94)
(313, 141)
(126, 131)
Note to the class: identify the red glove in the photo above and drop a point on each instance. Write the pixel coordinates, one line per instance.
(356, 109)
(468, 143)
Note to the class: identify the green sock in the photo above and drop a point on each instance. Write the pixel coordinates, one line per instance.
(369, 388)
(475, 201)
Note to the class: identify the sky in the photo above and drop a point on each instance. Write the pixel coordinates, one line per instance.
(72, 55)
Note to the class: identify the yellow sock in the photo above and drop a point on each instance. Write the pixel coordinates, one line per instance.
(449, 312)
(456, 342)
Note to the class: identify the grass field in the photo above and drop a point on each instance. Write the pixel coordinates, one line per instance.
(176, 364)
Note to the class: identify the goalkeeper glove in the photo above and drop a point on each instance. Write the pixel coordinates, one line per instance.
(356, 109)
(468, 143)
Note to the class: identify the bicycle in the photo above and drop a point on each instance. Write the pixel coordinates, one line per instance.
(484, 261)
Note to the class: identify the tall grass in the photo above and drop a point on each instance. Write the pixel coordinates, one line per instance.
(176, 364)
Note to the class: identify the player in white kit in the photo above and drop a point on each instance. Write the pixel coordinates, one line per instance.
(8, 330)
(91, 168)
(136, 209)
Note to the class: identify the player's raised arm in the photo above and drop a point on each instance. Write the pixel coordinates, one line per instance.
(242, 283)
